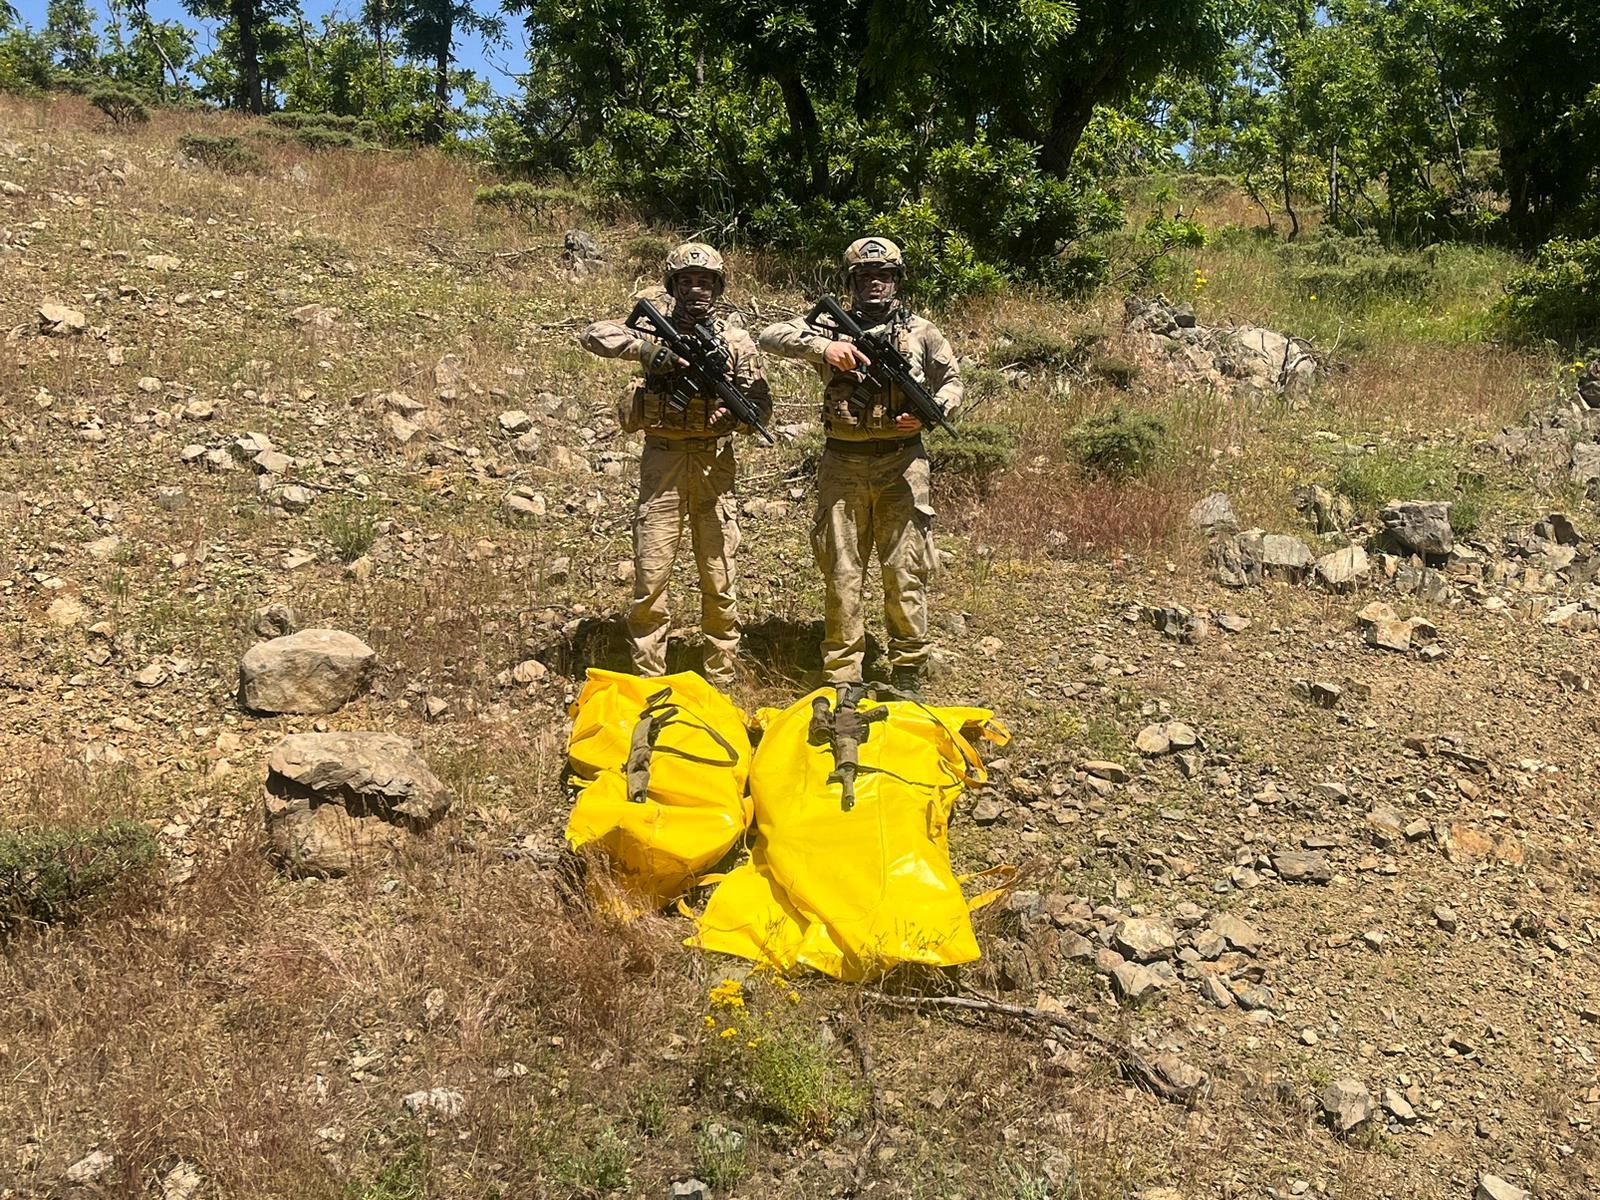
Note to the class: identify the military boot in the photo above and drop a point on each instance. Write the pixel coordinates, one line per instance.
(907, 681)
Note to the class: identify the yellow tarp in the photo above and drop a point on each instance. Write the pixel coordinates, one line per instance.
(854, 893)
(695, 807)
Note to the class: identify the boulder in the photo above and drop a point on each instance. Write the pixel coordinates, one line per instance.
(1419, 526)
(1327, 511)
(1284, 557)
(1492, 1187)
(313, 671)
(1238, 558)
(334, 800)
(1343, 569)
(1213, 513)
(1586, 467)
(1143, 940)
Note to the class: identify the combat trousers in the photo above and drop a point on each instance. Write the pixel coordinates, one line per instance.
(685, 481)
(873, 495)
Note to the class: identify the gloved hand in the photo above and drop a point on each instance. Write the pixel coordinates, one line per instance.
(657, 358)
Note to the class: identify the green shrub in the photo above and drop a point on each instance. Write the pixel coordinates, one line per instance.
(1030, 345)
(1118, 372)
(226, 154)
(55, 874)
(24, 62)
(646, 254)
(350, 529)
(797, 1081)
(315, 137)
(602, 1164)
(315, 120)
(1373, 479)
(1118, 444)
(975, 455)
(1558, 295)
(122, 106)
(1359, 270)
(529, 200)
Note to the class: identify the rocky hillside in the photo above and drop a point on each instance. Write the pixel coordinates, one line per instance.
(1302, 791)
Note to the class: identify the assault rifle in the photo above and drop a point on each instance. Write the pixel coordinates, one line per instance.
(888, 366)
(842, 729)
(708, 370)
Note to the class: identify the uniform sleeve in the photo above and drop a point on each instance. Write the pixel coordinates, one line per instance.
(795, 339)
(940, 369)
(611, 339)
(749, 373)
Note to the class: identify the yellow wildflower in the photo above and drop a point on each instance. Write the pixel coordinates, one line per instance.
(729, 1032)
(711, 1022)
(794, 996)
(728, 994)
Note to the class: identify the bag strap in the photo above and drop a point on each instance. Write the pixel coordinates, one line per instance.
(657, 714)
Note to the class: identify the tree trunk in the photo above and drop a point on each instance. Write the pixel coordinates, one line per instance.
(1068, 120)
(441, 81)
(803, 124)
(249, 92)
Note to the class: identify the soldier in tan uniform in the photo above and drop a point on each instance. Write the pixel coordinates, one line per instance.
(686, 473)
(872, 481)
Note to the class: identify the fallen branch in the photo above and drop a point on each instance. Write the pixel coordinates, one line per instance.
(855, 1032)
(1164, 1075)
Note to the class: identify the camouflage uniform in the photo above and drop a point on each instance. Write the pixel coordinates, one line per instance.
(872, 487)
(686, 475)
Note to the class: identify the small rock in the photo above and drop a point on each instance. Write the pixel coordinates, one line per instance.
(56, 320)
(1214, 512)
(443, 1103)
(91, 1167)
(1347, 1105)
(399, 429)
(1111, 772)
(1144, 940)
(296, 499)
(1445, 918)
(515, 421)
(522, 502)
(1398, 1107)
(274, 620)
(1215, 990)
(529, 670)
(1295, 866)
(1135, 984)
(1343, 569)
(1239, 934)
(987, 811)
(1152, 740)
(1284, 557)
(691, 1189)
(334, 800)
(148, 384)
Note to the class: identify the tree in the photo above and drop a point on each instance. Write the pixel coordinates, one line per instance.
(428, 30)
(141, 52)
(250, 40)
(69, 30)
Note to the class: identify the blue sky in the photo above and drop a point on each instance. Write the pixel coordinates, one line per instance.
(494, 63)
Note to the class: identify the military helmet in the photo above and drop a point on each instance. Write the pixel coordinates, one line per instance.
(873, 252)
(695, 256)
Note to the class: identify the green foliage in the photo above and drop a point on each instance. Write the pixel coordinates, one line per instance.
(55, 874)
(24, 63)
(1358, 270)
(646, 254)
(347, 122)
(222, 153)
(350, 529)
(1558, 295)
(403, 1177)
(69, 30)
(318, 137)
(721, 1157)
(1117, 444)
(797, 1081)
(601, 1164)
(975, 455)
(121, 105)
(1373, 479)
(529, 200)
(1033, 345)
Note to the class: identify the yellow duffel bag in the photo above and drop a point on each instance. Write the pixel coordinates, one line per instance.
(851, 874)
(660, 766)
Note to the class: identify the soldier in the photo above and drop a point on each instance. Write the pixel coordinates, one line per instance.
(872, 481)
(686, 472)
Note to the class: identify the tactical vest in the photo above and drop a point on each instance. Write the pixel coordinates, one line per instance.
(851, 404)
(648, 406)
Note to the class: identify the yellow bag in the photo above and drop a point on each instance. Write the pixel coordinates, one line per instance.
(661, 766)
(853, 891)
